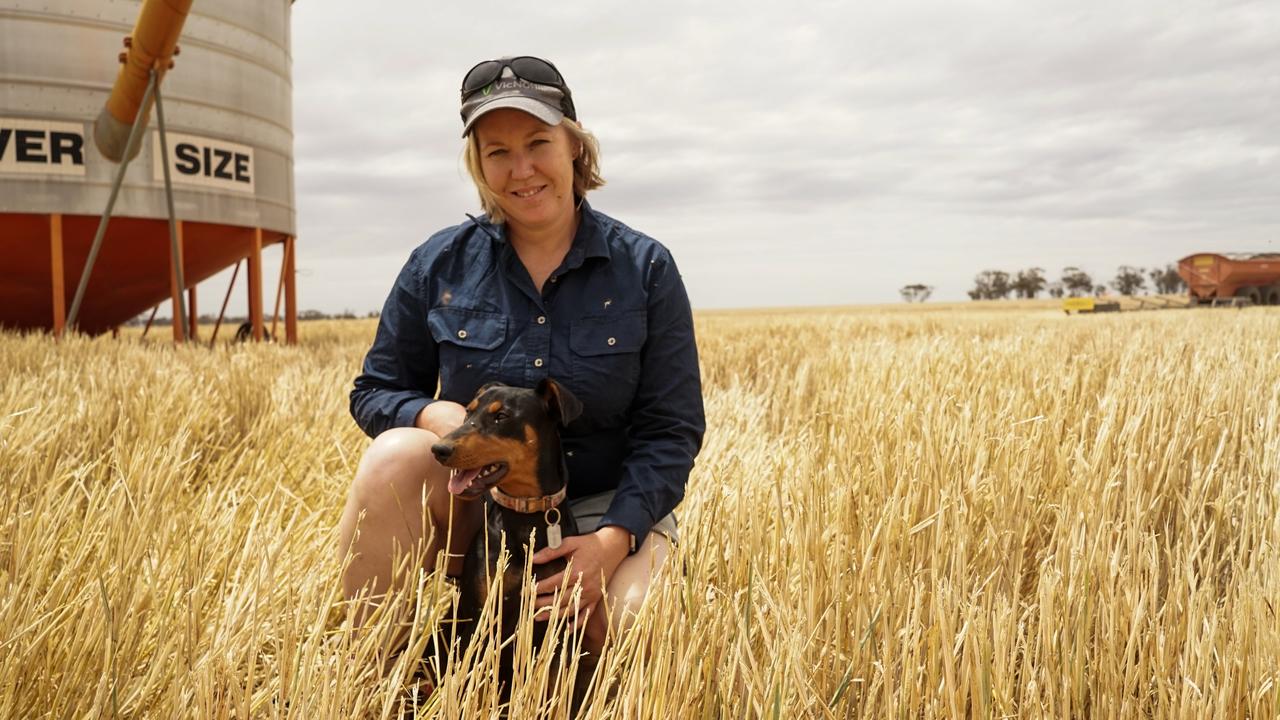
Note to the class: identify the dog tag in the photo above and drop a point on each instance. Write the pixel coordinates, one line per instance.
(553, 536)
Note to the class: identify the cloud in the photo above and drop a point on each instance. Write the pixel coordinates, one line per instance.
(814, 135)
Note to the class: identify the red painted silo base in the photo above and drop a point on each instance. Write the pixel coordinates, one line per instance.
(131, 275)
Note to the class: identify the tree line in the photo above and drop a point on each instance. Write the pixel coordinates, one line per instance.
(1074, 282)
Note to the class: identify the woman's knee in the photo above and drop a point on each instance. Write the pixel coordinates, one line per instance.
(628, 589)
(398, 462)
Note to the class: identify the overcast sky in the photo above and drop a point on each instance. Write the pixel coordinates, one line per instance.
(812, 152)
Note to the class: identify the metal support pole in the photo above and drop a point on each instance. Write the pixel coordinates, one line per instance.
(284, 268)
(223, 311)
(179, 327)
(147, 329)
(290, 291)
(176, 254)
(193, 317)
(134, 134)
(55, 267)
(255, 285)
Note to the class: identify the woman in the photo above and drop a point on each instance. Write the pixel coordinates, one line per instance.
(543, 285)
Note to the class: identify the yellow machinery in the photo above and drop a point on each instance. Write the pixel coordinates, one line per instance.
(1088, 305)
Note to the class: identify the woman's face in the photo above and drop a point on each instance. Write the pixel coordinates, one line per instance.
(528, 165)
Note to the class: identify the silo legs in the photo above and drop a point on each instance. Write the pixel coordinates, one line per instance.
(55, 265)
(255, 284)
(175, 290)
(290, 292)
(192, 315)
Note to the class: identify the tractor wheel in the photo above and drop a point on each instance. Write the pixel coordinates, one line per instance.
(1250, 292)
(244, 333)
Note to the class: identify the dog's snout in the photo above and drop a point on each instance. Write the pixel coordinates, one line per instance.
(442, 451)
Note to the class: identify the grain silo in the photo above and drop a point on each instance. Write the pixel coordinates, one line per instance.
(228, 113)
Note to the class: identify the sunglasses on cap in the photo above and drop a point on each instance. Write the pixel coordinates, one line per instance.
(526, 67)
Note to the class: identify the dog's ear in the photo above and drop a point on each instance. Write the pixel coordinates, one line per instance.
(561, 403)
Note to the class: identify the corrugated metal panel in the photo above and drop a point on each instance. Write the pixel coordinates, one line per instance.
(232, 87)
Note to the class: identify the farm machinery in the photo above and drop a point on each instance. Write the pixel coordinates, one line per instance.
(1232, 278)
(1088, 305)
(1213, 279)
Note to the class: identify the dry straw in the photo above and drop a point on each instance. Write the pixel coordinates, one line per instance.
(907, 514)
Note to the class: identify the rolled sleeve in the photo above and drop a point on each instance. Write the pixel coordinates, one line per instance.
(401, 368)
(667, 419)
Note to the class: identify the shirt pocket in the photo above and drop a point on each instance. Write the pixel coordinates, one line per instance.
(606, 360)
(469, 342)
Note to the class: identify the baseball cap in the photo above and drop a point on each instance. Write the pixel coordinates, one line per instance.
(526, 83)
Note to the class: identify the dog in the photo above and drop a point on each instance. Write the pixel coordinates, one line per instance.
(508, 448)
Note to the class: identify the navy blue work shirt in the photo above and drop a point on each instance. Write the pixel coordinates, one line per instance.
(612, 324)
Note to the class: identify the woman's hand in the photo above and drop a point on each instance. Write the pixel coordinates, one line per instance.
(594, 557)
(441, 417)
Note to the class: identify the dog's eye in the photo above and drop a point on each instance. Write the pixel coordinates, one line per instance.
(501, 416)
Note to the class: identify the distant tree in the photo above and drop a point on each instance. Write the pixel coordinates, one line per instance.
(1099, 290)
(981, 287)
(1166, 280)
(311, 315)
(1056, 290)
(1000, 285)
(1129, 280)
(1029, 283)
(915, 293)
(1076, 281)
(991, 285)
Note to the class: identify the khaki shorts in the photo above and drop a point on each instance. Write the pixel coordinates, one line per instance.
(589, 510)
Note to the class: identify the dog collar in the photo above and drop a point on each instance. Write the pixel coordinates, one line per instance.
(528, 505)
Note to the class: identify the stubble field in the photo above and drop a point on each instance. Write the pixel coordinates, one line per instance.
(938, 512)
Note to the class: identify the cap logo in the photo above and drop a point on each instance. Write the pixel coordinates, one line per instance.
(511, 84)
(487, 89)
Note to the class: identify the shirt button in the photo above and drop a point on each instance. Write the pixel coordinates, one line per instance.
(462, 334)
(542, 319)
(537, 362)
(553, 278)
(613, 341)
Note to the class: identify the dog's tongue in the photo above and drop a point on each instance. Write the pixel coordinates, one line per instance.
(460, 480)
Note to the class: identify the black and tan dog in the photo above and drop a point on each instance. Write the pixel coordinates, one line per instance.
(509, 448)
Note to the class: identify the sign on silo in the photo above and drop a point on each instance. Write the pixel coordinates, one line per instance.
(206, 162)
(41, 147)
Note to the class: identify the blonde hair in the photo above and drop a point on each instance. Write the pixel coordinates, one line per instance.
(586, 168)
